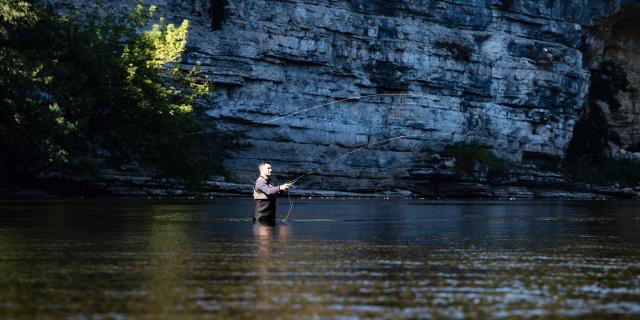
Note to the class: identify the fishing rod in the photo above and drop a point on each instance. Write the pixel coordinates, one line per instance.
(370, 145)
(345, 155)
(291, 182)
(367, 146)
(344, 100)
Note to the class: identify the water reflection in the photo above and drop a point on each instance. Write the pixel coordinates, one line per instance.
(334, 259)
(266, 232)
(168, 252)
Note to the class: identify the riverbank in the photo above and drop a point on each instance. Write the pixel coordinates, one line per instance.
(523, 184)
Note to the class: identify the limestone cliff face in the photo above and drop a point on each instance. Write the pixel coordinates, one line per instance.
(506, 74)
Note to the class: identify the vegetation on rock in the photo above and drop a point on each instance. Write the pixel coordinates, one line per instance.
(468, 156)
(459, 52)
(85, 92)
(605, 171)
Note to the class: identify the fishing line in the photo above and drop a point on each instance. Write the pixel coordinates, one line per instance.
(320, 106)
(350, 99)
(334, 159)
(368, 146)
(344, 100)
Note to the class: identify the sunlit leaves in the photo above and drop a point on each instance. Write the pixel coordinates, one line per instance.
(166, 42)
(97, 89)
(13, 11)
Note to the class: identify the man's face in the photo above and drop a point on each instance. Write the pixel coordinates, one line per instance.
(265, 170)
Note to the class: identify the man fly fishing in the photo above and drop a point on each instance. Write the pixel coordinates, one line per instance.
(265, 194)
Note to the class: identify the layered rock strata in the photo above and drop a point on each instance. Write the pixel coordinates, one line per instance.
(506, 74)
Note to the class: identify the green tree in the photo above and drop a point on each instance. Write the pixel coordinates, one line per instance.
(85, 92)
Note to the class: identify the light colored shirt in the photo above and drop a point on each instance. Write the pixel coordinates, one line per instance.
(264, 188)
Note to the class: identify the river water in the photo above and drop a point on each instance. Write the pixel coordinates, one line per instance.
(336, 259)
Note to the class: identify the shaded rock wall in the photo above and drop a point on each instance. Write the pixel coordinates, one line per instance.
(613, 49)
(507, 74)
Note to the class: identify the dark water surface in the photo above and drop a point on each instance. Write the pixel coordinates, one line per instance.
(343, 259)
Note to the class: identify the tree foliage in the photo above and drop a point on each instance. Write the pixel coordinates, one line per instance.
(83, 92)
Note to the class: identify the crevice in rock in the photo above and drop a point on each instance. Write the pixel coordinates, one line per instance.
(217, 13)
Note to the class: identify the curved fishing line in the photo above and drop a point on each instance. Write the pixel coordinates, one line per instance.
(334, 159)
(370, 145)
(342, 100)
(351, 99)
(320, 106)
(367, 146)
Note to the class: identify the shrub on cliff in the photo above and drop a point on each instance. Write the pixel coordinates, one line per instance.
(605, 171)
(83, 92)
(469, 155)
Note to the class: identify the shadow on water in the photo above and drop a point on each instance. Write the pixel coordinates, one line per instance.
(334, 258)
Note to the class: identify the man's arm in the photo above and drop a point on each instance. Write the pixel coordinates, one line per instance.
(265, 188)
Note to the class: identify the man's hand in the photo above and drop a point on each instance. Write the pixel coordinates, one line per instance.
(285, 187)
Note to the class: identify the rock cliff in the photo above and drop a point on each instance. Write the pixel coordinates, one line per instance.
(511, 75)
